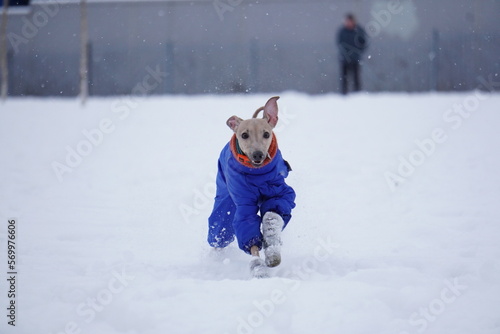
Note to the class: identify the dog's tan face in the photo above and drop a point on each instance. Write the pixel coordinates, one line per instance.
(255, 135)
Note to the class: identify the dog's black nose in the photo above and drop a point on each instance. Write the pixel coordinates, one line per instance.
(258, 156)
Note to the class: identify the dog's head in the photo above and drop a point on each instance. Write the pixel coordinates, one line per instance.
(256, 134)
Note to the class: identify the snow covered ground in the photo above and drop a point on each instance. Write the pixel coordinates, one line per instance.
(396, 228)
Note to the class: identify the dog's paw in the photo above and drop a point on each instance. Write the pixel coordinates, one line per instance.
(272, 224)
(258, 268)
(273, 255)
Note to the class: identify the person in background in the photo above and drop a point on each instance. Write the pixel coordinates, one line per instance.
(351, 41)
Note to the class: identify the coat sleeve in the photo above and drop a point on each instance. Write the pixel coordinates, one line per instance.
(277, 196)
(246, 221)
(282, 202)
(361, 39)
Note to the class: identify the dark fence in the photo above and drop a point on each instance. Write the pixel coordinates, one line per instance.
(255, 47)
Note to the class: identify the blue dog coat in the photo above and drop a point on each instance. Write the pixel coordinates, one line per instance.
(243, 190)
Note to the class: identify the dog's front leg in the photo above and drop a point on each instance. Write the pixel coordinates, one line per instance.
(254, 251)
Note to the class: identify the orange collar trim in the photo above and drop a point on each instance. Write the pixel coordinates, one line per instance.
(245, 161)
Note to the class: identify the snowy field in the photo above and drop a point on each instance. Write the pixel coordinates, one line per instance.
(396, 230)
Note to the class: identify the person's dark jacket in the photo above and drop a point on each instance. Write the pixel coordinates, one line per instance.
(351, 43)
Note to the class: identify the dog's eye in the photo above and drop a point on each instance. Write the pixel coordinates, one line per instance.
(267, 135)
(244, 135)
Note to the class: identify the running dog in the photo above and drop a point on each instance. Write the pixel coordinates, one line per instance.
(251, 180)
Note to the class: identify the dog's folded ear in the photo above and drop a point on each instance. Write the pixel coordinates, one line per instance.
(233, 122)
(271, 111)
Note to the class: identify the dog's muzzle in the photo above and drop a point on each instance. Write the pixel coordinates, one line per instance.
(258, 158)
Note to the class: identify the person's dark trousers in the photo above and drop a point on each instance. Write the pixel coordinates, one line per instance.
(346, 69)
